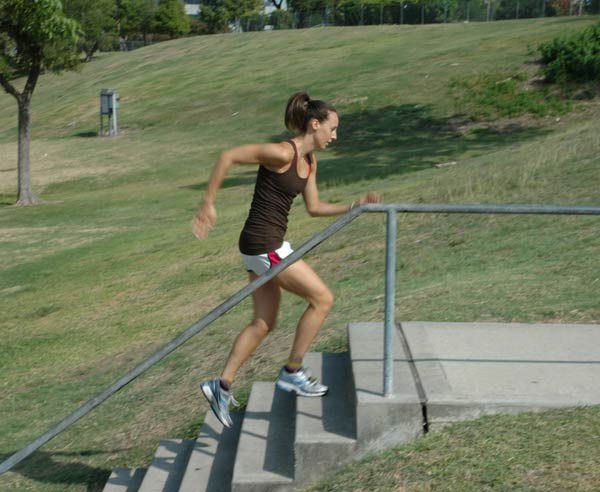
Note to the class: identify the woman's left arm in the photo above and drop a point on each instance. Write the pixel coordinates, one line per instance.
(317, 208)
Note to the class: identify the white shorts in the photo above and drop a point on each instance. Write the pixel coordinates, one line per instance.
(259, 264)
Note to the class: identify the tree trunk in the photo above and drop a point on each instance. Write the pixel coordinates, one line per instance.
(25, 192)
(89, 53)
(26, 195)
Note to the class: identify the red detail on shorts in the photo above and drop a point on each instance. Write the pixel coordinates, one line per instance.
(273, 258)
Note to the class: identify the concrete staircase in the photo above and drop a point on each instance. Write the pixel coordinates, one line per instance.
(282, 442)
(443, 373)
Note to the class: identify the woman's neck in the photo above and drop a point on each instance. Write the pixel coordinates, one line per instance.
(304, 143)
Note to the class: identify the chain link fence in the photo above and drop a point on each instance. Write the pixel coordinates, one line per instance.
(419, 13)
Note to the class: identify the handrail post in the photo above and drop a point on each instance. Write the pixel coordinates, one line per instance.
(390, 287)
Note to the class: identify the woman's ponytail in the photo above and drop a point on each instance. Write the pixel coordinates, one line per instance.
(301, 109)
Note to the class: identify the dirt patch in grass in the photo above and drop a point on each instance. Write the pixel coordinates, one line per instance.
(36, 242)
(49, 165)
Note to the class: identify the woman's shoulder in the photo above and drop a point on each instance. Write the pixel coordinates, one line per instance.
(278, 154)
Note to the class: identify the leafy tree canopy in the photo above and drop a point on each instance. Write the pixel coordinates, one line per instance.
(36, 32)
(171, 18)
(97, 19)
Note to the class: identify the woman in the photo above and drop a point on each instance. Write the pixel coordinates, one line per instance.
(285, 170)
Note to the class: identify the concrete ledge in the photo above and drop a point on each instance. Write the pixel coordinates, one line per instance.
(125, 480)
(325, 427)
(473, 369)
(265, 461)
(210, 467)
(167, 468)
(382, 421)
(442, 414)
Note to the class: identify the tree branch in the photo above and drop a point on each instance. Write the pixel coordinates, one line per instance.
(9, 88)
(34, 73)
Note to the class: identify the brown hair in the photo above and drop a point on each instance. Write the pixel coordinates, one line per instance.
(301, 109)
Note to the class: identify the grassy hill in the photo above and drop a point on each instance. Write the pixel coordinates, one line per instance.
(107, 270)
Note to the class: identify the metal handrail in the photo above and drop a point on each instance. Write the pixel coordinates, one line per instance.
(391, 209)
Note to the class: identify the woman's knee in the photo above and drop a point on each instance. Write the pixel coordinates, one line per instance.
(323, 300)
(262, 326)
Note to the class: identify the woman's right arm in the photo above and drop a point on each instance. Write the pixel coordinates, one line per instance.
(273, 156)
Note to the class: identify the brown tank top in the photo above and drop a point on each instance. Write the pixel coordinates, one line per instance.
(267, 220)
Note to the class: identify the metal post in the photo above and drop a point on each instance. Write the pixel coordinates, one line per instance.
(114, 114)
(390, 281)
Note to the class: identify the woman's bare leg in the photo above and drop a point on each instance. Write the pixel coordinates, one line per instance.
(301, 279)
(266, 305)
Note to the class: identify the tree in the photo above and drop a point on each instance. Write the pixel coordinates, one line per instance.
(214, 17)
(171, 18)
(238, 8)
(97, 20)
(35, 35)
(218, 14)
(136, 17)
(304, 8)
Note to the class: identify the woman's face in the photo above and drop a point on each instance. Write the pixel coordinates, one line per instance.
(326, 131)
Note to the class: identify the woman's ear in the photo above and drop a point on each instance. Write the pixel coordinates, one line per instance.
(314, 124)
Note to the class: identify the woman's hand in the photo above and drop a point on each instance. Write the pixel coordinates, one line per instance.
(370, 197)
(204, 220)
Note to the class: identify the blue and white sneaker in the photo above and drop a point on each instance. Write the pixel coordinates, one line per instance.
(219, 400)
(300, 382)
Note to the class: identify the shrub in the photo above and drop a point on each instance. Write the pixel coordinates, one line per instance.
(496, 95)
(575, 59)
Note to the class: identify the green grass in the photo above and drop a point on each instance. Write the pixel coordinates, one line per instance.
(107, 270)
(497, 95)
(554, 451)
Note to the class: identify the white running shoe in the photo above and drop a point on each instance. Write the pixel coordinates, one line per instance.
(300, 382)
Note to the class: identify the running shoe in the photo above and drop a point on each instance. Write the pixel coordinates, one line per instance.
(219, 400)
(300, 382)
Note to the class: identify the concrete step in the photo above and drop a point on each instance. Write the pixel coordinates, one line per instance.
(125, 480)
(210, 467)
(382, 421)
(167, 468)
(264, 460)
(472, 369)
(325, 427)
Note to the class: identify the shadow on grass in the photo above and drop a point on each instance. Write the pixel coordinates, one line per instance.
(240, 178)
(7, 200)
(47, 468)
(88, 134)
(394, 140)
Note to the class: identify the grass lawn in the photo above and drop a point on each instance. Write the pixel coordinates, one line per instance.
(555, 451)
(107, 270)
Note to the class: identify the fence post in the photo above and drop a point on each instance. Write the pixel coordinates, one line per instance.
(390, 287)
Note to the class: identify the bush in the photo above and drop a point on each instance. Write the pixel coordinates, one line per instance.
(575, 59)
(495, 95)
